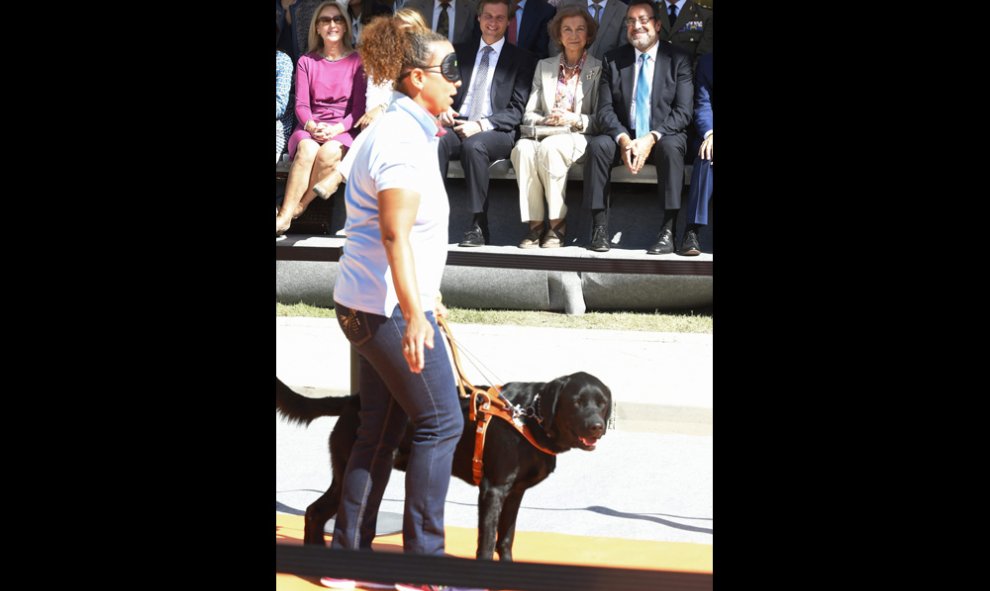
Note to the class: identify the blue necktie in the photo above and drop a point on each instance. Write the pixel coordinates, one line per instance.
(642, 100)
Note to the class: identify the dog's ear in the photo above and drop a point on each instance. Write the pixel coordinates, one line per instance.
(549, 396)
(608, 414)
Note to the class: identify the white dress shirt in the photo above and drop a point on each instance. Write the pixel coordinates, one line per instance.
(486, 88)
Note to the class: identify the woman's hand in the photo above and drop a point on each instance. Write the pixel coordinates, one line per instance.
(419, 333)
(553, 118)
(370, 116)
(320, 132)
(559, 117)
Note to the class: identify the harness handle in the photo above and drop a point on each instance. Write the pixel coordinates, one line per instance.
(461, 378)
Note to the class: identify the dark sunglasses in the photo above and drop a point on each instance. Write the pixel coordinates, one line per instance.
(448, 68)
(326, 20)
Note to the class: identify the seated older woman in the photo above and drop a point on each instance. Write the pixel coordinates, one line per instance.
(330, 100)
(564, 97)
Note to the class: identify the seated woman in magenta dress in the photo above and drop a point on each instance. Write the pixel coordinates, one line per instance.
(330, 100)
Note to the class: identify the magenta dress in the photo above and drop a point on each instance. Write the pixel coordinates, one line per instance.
(329, 92)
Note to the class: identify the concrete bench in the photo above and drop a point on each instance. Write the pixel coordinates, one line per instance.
(500, 275)
(502, 169)
(569, 279)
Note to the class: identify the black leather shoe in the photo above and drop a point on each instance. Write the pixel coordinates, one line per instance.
(690, 246)
(473, 237)
(664, 245)
(599, 240)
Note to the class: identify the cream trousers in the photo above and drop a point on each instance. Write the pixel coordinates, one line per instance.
(541, 171)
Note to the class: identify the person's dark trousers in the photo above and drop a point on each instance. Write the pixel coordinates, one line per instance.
(700, 192)
(668, 156)
(389, 393)
(601, 155)
(476, 154)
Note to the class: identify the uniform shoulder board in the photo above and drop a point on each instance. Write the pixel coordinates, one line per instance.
(707, 4)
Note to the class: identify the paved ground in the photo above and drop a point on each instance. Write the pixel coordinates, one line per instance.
(649, 479)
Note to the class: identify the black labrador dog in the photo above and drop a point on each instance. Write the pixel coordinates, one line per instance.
(570, 412)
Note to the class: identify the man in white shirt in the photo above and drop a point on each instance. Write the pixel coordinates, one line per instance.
(497, 77)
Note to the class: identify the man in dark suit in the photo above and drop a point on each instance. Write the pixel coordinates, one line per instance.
(497, 77)
(528, 20)
(692, 30)
(646, 93)
(611, 25)
(702, 177)
(462, 18)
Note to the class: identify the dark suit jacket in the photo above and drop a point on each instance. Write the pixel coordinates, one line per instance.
(672, 95)
(693, 30)
(533, 34)
(510, 85)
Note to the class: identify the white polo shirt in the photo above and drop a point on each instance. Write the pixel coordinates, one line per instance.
(399, 152)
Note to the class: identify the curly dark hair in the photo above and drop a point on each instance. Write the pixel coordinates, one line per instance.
(387, 49)
(554, 26)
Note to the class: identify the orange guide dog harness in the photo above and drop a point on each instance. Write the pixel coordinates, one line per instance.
(486, 404)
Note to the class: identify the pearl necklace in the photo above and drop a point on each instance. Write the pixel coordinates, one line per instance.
(335, 59)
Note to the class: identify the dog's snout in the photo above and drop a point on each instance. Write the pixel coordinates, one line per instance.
(598, 428)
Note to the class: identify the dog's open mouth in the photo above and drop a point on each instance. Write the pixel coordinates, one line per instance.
(589, 442)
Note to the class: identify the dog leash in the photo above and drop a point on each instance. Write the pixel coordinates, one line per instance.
(463, 384)
(484, 405)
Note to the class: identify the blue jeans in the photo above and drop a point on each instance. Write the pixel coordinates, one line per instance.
(389, 394)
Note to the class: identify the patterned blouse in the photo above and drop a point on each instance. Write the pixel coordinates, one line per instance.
(567, 87)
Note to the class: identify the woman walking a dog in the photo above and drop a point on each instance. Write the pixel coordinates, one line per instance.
(397, 214)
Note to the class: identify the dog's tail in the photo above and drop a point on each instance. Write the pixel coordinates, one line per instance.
(302, 410)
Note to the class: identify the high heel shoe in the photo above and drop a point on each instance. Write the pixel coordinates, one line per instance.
(280, 229)
(554, 236)
(328, 186)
